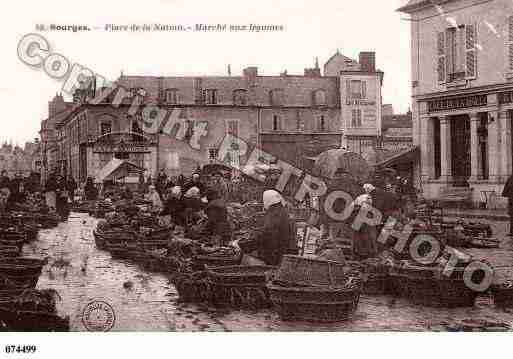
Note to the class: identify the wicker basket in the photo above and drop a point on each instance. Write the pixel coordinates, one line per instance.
(316, 304)
(503, 294)
(192, 287)
(9, 251)
(32, 321)
(18, 273)
(216, 260)
(428, 286)
(240, 286)
(310, 272)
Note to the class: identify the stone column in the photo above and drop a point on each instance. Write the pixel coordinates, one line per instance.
(427, 148)
(476, 166)
(445, 149)
(505, 144)
(494, 152)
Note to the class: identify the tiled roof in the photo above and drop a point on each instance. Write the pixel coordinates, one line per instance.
(297, 89)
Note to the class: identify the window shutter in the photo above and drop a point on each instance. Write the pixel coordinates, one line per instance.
(348, 89)
(470, 51)
(441, 63)
(510, 43)
(364, 89)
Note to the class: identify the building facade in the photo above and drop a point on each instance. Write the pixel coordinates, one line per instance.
(292, 117)
(462, 72)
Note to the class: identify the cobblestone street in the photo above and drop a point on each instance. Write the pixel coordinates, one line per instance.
(146, 301)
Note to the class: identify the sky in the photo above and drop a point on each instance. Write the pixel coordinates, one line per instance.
(311, 29)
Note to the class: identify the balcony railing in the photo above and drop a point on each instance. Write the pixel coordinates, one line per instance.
(456, 76)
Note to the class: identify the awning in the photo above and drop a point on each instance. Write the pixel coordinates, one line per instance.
(112, 166)
(405, 156)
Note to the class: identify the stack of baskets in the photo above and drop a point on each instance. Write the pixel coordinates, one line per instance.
(315, 290)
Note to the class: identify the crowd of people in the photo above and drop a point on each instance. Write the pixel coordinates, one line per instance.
(15, 189)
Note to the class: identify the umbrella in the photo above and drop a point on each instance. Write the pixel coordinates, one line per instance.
(339, 163)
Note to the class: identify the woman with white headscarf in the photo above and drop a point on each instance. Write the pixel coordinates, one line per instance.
(364, 238)
(174, 206)
(277, 237)
(154, 197)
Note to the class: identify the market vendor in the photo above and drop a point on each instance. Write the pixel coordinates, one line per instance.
(276, 236)
(126, 194)
(195, 182)
(365, 237)
(154, 197)
(217, 223)
(174, 206)
(90, 191)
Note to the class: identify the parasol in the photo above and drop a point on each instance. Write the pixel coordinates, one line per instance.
(339, 163)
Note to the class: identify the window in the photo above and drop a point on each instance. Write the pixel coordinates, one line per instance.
(319, 98)
(276, 97)
(212, 153)
(210, 96)
(321, 124)
(105, 127)
(240, 97)
(356, 118)
(172, 96)
(456, 53)
(134, 91)
(232, 127)
(356, 89)
(276, 123)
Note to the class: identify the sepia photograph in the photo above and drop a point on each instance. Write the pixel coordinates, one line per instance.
(254, 166)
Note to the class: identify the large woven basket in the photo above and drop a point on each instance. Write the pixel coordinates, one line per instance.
(428, 286)
(310, 272)
(192, 287)
(215, 260)
(316, 304)
(240, 286)
(20, 273)
(9, 251)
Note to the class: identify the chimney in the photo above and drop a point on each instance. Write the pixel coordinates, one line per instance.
(367, 61)
(250, 72)
(315, 72)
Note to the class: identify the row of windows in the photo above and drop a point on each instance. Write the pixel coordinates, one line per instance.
(277, 124)
(239, 96)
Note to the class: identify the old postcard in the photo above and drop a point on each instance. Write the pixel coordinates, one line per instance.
(254, 166)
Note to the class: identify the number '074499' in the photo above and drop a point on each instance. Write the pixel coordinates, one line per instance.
(25, 349)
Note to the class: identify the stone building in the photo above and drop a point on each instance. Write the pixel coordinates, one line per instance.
(293, 117)
(16, 159)
(462, 89)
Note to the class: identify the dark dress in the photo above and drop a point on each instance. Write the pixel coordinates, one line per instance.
(276, 236)
(508, 193)
(175, 208)
(217, 223)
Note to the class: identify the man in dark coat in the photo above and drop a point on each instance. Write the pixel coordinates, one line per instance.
(175, 207)
(508, 193)
(71, 186)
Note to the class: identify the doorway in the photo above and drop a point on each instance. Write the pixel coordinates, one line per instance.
(460, 150)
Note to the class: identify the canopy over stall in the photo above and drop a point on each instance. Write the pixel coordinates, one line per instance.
(118, 169)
